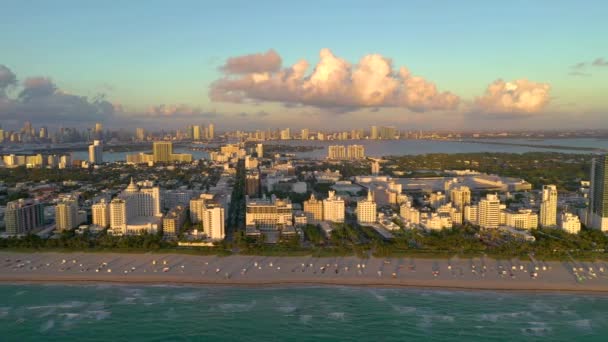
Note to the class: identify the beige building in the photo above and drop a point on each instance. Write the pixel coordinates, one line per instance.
(136, 210)
(460, 197)
(548, 206)
(333, 208)
(273, 214)
(313, 210)
(101, 214)
(521, 219)
(570, 223)
(173, 221)
(489, 211)
(366, 210)
(96, 152)
(66, 215)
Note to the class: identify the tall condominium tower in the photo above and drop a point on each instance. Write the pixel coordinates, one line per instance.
(598, 194)
(162, 151)
(548, 206)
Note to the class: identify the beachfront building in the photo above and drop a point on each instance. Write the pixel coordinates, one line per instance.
(269, 214)
(333, 208)
(313, 210)
(366, 210)
(213, 221)
(206, 211)
(174, 221)
(23, 216)
(136, 210)
(66, 215)
(489, 211)
(598, 194)
(521, 219)
(570, 223)
(198, 207)
(548, 206)
(100, 213)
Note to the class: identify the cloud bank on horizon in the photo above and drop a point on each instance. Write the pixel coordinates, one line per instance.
(334, 83)
(41, 100)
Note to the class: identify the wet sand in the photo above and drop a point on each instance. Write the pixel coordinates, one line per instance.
(475, 273)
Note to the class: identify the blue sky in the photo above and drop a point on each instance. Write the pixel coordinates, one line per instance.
(148, 53)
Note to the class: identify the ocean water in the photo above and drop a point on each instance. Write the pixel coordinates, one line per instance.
(180, 313)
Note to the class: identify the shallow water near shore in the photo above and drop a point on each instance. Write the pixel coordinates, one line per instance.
(137, 312)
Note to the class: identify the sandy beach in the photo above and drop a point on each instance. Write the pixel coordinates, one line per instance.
(475, 273)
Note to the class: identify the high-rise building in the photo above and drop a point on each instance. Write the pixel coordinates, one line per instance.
(252, 184)
(196, 132)
(366, 209)
(66, 215)
(313, 210)
(373, 133)
(211, 131)
(213, 221)
(136, 210)
(336, 152)
(333, 208)
(101, 213)
(598, 194)
(98, 127)
(341, 152)
(354, 152)
(140, 134)
(388, 133)
(198, 207)
(23, 216)
(305, 134)
(174, 221)
(44, 132)
(489, 211)
(460, 197)
(548, 206)
(162, 151)
(375, 167)
(27, 128)
(286, 134)
(259, 150)
(96, 152)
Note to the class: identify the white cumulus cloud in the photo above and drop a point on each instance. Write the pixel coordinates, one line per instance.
(333, 83)
(515, 97)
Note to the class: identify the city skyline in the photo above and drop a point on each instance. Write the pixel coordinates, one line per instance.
(413, 65)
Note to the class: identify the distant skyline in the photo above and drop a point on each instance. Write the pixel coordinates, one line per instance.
(335, 64)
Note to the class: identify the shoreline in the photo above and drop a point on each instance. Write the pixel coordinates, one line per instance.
(271, 285)
(462, 274)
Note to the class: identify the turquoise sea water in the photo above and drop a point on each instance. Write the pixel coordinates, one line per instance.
(176, 313)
